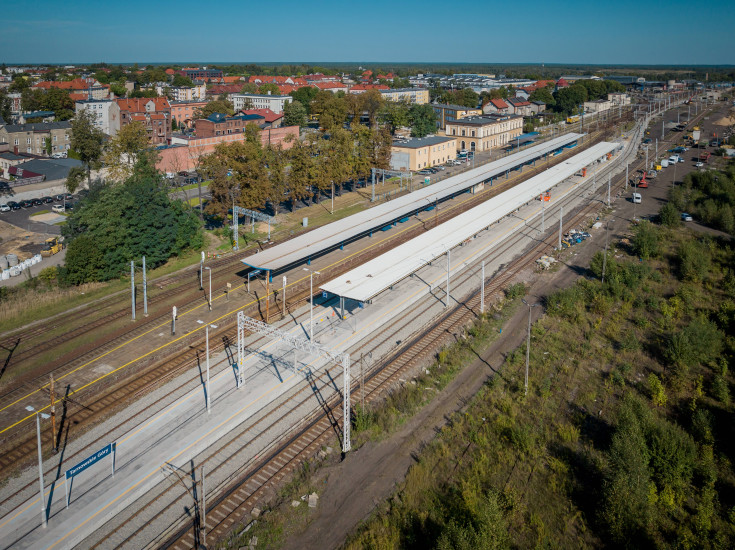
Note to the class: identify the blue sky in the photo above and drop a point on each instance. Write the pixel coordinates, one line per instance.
(572, 31)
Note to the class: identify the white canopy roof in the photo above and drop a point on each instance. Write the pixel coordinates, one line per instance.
(331, 235)
(371, 278)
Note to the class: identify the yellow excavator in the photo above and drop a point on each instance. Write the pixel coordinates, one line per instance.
(52, 246)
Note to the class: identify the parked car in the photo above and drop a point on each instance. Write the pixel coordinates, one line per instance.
(681, 159)
(439, 167)
(636, 197)
(13, 205)
(59, 197)
(68, 197)
(26, 203)
(4, 208)
(686, 217)
(58, 208)
(425, 172)
(699, 165)
(37, 202)
(47, 199)
(59, 155)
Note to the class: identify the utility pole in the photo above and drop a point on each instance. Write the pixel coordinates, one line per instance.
(482, 287)
(209, 296)
(201, 272)
(40, 470)
(267, 296)
(132, 286)
(204, 511)
(362, 384)
(561, 219)
(604, 258)
(609, 176)
(448, 261)
(53, 414)
(543, 224)
(332, 210)
(626, 176)
(145, 290)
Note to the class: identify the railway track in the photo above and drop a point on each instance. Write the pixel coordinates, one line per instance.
(256, 480)
(86, 409)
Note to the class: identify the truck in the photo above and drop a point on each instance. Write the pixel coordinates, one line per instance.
(704, 156)
(51, 246)
(696, 134)
(664, 163)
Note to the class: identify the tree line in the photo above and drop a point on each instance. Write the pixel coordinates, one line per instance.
(253, 176)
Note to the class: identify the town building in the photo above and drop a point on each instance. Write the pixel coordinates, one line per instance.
(185, 151)
(271, 119)
(450, 113)
(183, 111)
(482, 133)
(219, 124)
(418, 153)
(275, 103)
(36, 138)
(362, 88)
(597, 106)
(153, 113)
(183, 93)
(105, 113)
(219, 90)
(519, 107)
(89, 87)
(37, 170)
(498, 106)
(200, 74)
(618, 98)
(331, 86)
(418, 96)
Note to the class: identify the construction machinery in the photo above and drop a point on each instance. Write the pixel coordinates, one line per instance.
(51, 247)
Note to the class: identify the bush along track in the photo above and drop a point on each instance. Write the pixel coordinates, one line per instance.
(625, 438)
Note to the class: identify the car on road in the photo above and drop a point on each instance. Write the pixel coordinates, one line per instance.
(699, 164)
(686, 217)
(26, 203)
(47, 199)
(13, 205)
(636, 198)
(4, 208)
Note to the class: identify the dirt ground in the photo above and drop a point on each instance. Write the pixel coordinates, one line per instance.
(14, 240)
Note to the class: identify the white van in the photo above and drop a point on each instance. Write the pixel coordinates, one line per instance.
(637, 198)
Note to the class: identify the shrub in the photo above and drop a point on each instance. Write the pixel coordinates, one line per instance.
(670, 216)
(694, 261)
(658, 393)
(646, 240)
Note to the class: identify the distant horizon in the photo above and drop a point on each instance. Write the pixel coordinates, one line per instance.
(384, 62)
(629, 33)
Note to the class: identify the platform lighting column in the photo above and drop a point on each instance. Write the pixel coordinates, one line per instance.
(40, 470)
(609, 177)
(311, 302)
(482, 287)
(145, 290)
(449, 259)
(528, 343)
(543, 221)
(209, 296)
(332, 210)
(284, 296)
(626, 176)
(132, 286)
(662, 128)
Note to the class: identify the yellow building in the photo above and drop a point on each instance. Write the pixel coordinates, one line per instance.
(482, 133)
(419, 96)
(418, 153)
(449, 113)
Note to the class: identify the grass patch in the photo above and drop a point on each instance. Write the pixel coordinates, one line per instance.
(39, 212)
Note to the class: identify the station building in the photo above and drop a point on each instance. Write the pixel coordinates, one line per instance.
(482, 133)
(418, 153)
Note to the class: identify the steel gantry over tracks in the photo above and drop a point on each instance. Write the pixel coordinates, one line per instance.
(375, 276)
(313, 243)
(297, 344)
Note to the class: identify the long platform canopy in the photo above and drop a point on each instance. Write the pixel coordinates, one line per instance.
(331, 235)
(373, 277)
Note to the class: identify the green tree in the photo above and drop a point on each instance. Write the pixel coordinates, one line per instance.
(332, 110)
(294, 114)
(125, 149)
(568, 100)
(249, 88)
(181, 80)
(669, 215)
(646, 240)
(305, 96)
(269, 87)
(395, 113)
(5, 104)
(694, 261)
(124, 222)
(542, 94)
(87, 140)
(118, 89)
(422, 119)
(217, 106)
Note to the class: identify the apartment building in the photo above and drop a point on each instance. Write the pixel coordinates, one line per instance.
(219, 124)
(105, 113)
(153, 113)
(32, 138)
(183, 111)
(275, 103)
(419, 96)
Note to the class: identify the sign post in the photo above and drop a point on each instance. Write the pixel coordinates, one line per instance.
(109, 449)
